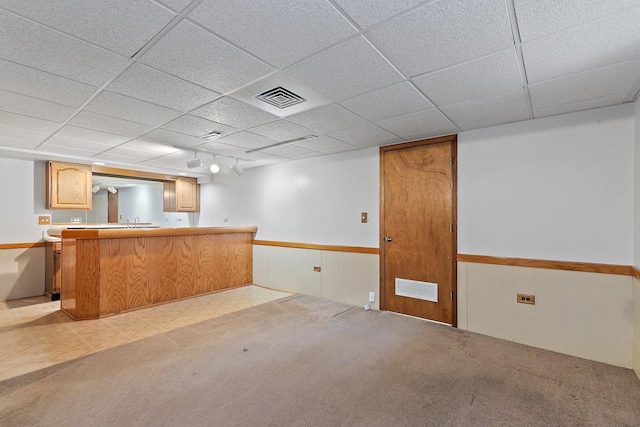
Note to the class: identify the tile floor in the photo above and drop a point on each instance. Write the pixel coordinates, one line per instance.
(34, 333)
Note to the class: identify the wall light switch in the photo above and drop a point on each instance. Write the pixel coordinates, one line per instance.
(44, 220)
(372, 296)
(363, 217)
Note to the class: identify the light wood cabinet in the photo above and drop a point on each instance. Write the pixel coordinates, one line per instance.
(68, 186)
(182, 195)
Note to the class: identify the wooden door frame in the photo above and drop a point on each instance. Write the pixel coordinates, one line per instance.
(453, 139)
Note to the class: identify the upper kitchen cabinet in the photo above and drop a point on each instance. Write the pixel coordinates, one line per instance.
(68, 186)
(182, 195)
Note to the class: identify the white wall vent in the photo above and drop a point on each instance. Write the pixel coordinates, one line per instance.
(413, 289)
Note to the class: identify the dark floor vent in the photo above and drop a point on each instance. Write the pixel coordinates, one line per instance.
(280, 97)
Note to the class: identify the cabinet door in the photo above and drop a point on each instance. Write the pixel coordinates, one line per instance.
(187, 197)
(69, 186)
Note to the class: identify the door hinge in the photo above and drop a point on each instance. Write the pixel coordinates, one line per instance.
(451, 295)
(450, 160)
(450, 228)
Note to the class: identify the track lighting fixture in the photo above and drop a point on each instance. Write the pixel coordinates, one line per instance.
(195, 162)
(95, 188)
(237, 169)
(214, 168)
(112, 190)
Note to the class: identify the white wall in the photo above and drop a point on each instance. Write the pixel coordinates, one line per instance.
(557, 188)
(23, 192)
(636, 198)
(317, 200)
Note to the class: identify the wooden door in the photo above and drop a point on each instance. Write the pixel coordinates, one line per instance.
(418, 229)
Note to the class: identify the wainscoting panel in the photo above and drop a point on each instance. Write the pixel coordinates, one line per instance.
(21, 273)
(583, 314)
(344, 277)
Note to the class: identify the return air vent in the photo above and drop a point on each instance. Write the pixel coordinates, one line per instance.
(280, 97)
(413, 289)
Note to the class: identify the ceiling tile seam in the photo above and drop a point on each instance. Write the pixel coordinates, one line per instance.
(399, 15)
(459, 64)
(345, 15)
(230, 43)
(599, 18)
(436, 106)
(31, 117)
(175, 21)
(33, 21)
(515, 31)
(581, 100)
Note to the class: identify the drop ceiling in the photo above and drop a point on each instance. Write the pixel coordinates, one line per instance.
(126, 82)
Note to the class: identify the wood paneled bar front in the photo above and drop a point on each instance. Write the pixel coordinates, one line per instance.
(108, 271)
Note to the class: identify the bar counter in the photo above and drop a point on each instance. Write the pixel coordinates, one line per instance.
(108, 271)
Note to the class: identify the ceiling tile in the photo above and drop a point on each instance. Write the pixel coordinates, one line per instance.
(480, 109)
(392, 101)
(247, 140)
(91, 135)
(307, 155)
(136, 154)
(326, 119)
(18, 138)
(262, 159)
(515, 116)
(287, 151)
(197, 126)
(340, 150)
(177, 5)
(147, 84)
(281, 130)
(36, 46)
(474, 79)
(590, 84)
(39, 84)
(281, 32)
(324, 143)
(588, 104)
(167, 137)
(34, 107)
(346, 70)
(121, 27)
(233, 113)
(66, 151)
(223, 149)
(64, 141)
(28, 123)
(123, 107)
(424, 121)
(596, 44)
(368, 135)
(151, 147)
(109, 124)
(443, 34)
(367, 13)
(197, 56)
(538, 18)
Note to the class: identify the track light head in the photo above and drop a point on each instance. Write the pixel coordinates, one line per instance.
(237, 169)
(194, 163)
(112, 190)
(95, 188)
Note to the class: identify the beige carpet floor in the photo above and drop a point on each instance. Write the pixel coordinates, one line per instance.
(304, 361)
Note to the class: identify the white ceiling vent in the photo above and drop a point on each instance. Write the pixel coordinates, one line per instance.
(280, 97)
(280, 94)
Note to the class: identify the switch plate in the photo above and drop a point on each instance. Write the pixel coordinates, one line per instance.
(363, 217)
(44, 220)
(372, 296)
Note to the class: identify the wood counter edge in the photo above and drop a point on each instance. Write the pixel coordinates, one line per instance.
(106, 233)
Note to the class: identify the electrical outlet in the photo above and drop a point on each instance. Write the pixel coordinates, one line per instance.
(317, 268)
(363, 217)
(44, 220)
(372, 296)
(526, 299)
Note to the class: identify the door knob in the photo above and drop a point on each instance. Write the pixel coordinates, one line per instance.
(387, 239)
